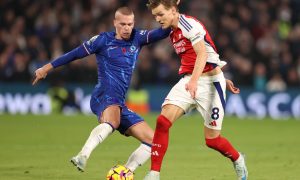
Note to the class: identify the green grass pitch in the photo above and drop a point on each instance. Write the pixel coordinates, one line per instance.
(40, 147)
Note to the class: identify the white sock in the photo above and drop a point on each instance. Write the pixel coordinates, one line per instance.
(138, 157)
(239, 159)
(97, 136)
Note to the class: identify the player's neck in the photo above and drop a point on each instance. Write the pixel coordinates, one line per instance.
(174, 24)
(117, 36)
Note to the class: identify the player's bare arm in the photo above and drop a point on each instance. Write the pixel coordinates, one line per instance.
(199, 48)
(42, 72)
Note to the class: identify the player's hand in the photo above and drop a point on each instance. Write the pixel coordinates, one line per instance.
(40, 73)
(230, 86)
(191, 87)
(178, 1)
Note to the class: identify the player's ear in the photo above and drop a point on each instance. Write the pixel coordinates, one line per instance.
(174, 10)
(115, 22)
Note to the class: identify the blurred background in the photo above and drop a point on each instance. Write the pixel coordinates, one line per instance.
(260, 40)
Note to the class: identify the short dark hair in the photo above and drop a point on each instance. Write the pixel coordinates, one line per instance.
(125, 10)
(167, 3)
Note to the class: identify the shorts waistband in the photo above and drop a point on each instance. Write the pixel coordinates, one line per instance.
(213, 78)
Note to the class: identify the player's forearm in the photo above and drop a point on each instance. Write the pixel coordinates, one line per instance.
(48, 67)
(76, 53)
(200, 50)
(199, 66)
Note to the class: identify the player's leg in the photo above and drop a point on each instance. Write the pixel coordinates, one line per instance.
(212, 110)
(142, 132)
(176, 104)
(212, 129)
(109, 120)
(169, 114)
(219, 143)
(132, 124)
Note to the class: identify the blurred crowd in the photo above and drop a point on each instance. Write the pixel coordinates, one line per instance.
(260, 40)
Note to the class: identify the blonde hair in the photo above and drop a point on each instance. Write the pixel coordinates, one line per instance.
(125, 11)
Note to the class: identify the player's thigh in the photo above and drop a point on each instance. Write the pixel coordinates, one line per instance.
(111, 115)
(172, 112)
(213, 120)
(129, 119)
(141, 131)
(178, 101)
(212, 115)
(212, 108)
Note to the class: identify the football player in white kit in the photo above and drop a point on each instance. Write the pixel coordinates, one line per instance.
(202, 87)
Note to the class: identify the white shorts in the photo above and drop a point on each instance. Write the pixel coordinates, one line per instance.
(209, 101)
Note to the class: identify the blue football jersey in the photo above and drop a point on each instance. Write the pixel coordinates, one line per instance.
(116, 58)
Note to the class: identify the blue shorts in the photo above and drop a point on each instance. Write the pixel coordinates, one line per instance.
(128, 118)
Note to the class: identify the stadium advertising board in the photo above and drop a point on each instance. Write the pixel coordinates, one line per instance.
(249, 103)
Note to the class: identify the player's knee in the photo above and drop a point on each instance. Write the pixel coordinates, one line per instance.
(148, 137)
(113, 124)
(148, 140)
(213, 143)
(163, 123)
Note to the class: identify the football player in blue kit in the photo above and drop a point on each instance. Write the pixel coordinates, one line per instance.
(116, 54)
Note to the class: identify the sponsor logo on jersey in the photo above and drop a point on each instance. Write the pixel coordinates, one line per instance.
(132, 48)
(179, 46)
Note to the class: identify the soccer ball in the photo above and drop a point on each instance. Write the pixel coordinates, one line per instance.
(119, 172)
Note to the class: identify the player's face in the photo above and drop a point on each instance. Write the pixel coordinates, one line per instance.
(124, 25)
(165, 17)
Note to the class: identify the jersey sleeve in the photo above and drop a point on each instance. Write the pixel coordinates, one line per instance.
(66, 58)
(150, 36)
(94, 44)
(192, 30)
(89, 47)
